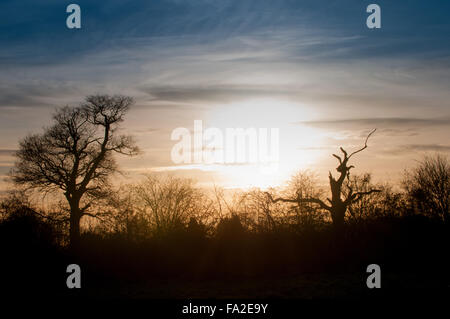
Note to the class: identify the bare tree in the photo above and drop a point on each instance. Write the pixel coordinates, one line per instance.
(256, 208)
(75, 155)
(428, 186)
(168, 201)
(304, 184)
(339, 202)
(126, 218)
(377, 205)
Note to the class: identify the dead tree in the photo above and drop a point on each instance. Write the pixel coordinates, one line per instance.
(338, 204)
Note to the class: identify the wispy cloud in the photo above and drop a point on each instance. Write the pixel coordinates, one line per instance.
(225, 93)
(402, 150)
(7, 152)
(381, 122)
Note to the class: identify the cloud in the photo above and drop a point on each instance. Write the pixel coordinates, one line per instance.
(144, 131)
(7, 152)
(390, 132)
(35, 93)
(225, 93)
(401, 150)
(380, 122)
(316, 148)
(428, 147)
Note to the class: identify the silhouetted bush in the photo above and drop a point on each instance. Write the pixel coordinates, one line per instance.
(30, 253)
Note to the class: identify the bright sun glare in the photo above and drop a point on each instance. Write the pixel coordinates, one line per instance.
(296, 142)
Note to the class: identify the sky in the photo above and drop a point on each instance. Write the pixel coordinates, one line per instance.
(312, 69)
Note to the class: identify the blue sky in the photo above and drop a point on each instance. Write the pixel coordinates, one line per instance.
(39, 25)
(186, 60)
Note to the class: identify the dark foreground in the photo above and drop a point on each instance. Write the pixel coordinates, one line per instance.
(413, 255)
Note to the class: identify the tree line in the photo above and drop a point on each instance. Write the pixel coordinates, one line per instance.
(75, 158)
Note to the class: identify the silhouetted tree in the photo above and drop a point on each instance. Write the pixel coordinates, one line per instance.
(428, 186)
(260, 213)
(168, 201)
(306, 215)
(74, 155)
(125, 219)
(195, 229)
(230, 228)
(338, 204)
(382, 204)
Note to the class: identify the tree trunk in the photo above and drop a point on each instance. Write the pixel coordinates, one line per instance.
(75, 217)
(338, 215)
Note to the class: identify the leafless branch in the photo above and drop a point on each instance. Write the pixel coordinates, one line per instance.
(365, 144)
(299, 200)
